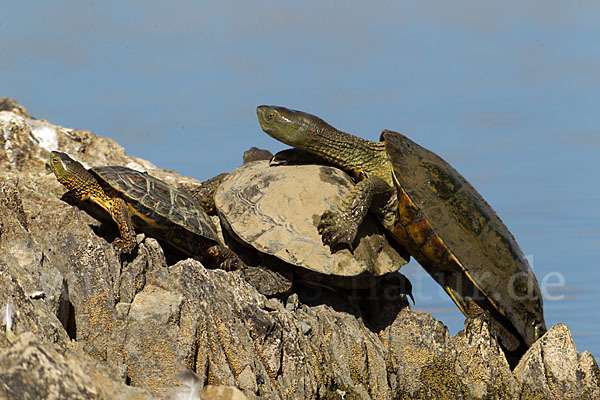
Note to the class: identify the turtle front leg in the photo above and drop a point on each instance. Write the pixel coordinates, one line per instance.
(120, 214)
(340, 226)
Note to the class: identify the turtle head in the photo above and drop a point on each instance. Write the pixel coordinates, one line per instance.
(65, 168)
(294, 128)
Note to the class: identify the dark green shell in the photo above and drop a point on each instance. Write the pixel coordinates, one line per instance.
(486, 250)
(158, 208)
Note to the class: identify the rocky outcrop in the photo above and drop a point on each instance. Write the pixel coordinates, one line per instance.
(554, 368)
(88, 323)
(34, 369)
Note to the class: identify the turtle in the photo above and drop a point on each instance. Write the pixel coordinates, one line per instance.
(430, 210)
(274, 210)
(271, 213)
(137, 200)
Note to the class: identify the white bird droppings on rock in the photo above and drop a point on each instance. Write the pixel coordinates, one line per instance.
(44, 134)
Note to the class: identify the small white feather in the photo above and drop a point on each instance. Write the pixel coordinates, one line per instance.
(192, 381)
(7, 318)
(7, 315)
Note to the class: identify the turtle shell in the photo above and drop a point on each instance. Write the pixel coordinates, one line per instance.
(456, 230)
(276, 211)
(160, 209)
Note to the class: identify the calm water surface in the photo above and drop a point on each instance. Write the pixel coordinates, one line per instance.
(507, 93)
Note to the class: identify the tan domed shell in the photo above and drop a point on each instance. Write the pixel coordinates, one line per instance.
(276, 210)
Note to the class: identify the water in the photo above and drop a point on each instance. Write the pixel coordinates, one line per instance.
(508, 93)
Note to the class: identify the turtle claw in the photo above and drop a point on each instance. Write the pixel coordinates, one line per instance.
(337, 229)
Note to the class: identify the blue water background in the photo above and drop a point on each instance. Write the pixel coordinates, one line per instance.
(507, 92)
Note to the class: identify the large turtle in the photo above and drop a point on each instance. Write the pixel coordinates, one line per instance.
(276, 210)
(273, 212)
(136, 199)
(431, 210)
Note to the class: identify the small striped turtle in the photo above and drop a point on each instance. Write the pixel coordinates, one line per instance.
(137, 200)
(432, 211)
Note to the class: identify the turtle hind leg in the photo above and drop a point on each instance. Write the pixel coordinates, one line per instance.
(267, 281)
(225, 258)
(268, 275)
(120, 214)
(499, 328)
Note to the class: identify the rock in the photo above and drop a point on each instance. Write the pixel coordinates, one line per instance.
(23, 271)
(554, 369)
(8, 104)
(31, 369)
(89, 323)
(222, 393)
